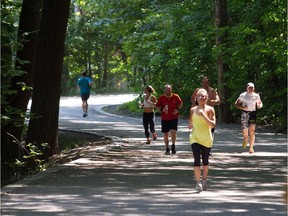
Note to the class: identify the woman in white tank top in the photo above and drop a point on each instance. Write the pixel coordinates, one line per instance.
(148, 113)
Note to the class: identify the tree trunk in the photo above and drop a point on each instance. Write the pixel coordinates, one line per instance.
(27, 36)
(221, 20)
(47, 76)
(106, 62)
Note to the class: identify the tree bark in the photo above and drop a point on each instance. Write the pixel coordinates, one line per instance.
(47, 76)
(27, 36)
(106, 62)
(221, 20)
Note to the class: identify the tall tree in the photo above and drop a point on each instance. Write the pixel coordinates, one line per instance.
(27, 37)
(106, 64)
(47, 76)
(221, 21)
(9, 15)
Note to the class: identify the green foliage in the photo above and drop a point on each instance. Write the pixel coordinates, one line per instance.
(159, 42)
(132, 106)
(10, 11)
(30, 163)
(257, 53)
(93, 33)
(165, 48)
(34, 155)
(17, 165)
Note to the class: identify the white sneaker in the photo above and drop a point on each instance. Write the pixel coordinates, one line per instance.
(199, 187)
(204, 184)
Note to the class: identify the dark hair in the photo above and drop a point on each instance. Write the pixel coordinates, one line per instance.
(84, 73)
(205, 77)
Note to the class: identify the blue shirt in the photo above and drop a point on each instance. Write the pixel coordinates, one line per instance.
(83, 83)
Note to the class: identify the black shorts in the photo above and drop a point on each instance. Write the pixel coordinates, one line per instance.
(168, 125)
(248, 118)
(85, 97)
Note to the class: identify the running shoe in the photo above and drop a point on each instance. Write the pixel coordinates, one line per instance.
(204, 184)
(173, 149)
(199, 187)
(154, 136)
(167, 151)
(244, 144)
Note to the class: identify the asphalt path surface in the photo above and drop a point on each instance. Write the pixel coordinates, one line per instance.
(129, 177)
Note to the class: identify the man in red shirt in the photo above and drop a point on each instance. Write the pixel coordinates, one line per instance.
(169, 105)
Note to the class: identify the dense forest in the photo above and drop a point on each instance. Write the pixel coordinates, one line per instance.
(126, 45)
(129, 44)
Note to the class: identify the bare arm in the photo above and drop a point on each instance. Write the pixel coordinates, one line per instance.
(179, 106)
(209, 117)
(190, 122)
(153, 100)
(259, 104)
(238, 105)
(215, 99)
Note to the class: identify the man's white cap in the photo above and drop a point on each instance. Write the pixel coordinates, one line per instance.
(250, 85)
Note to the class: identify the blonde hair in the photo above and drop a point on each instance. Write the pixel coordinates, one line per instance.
(202, 90)
(150, 89)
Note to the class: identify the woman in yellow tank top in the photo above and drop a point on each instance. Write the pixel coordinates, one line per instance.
(202, 119)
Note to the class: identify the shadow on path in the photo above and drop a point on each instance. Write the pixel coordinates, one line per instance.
(132, 179)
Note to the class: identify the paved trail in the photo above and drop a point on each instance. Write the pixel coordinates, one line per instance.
(128, 177)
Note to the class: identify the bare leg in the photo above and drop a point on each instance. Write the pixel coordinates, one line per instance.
(84, 106)
(252, 136)
(245, 134)
(166, 139)
(197, 173)
(205, 171)
(173, 136)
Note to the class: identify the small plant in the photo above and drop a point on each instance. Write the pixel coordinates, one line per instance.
(34, 155)
(30, 162)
